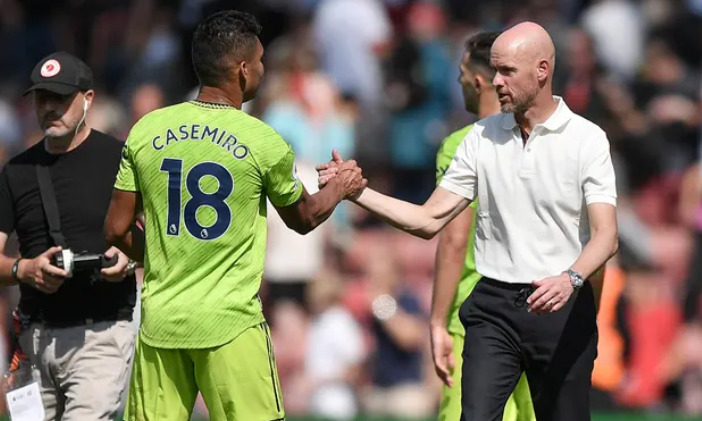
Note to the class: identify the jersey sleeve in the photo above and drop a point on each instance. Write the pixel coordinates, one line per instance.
(280, 180)
(447, 151)
(7, 210)
(462, 175)
(597, 172)
(127, 176)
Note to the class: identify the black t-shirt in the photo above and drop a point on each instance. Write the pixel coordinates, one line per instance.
(82, 179)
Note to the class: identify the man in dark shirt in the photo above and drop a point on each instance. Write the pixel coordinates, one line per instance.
(77, 331)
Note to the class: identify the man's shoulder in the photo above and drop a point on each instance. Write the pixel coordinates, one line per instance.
(582, 125)
(29, 156)
(499, 121)
(105, 140)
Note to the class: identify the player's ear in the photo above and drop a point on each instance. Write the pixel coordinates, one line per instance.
(242, 74)
(478, 82)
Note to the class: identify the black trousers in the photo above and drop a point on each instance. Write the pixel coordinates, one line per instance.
(557, 351)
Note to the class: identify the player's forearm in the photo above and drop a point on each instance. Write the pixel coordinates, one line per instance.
(602, 246)
(130, 243)
(411, 218)
(450, 260)
(317, 208)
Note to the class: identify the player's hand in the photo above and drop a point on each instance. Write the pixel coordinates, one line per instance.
(349, 173)
(351, 178)
(442, 353)
(117, 272)
(40, 273)
(550, 295)
(328, 170)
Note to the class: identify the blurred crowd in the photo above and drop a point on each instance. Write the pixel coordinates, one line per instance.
(376, 80)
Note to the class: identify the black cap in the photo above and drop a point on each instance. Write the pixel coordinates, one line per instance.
(61, 73)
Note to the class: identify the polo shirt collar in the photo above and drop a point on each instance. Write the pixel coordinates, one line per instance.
(557, 120)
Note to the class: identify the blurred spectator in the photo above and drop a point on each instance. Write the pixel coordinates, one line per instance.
(417, 89)
(9, 132)
(146, 97)
(335, 351)
(618, 30)
(292, 260)
(289, 330)
(351, 37)
(108, 116)
(399, 328)
(351, 34)
(304, 106)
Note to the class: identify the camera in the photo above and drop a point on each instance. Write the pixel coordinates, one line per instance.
(81, 262)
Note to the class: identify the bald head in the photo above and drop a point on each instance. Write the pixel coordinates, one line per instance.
(527, 40)
(524, 57)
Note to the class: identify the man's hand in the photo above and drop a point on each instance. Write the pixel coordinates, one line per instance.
(350, 174)
(328, 170)
(442, 353)
(117, 272)
(551, 294)
(40, 273)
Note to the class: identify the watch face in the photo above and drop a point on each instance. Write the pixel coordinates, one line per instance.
(575, 279)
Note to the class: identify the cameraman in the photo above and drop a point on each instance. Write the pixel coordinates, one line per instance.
(77, 331)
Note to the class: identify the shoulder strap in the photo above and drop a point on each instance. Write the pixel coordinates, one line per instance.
(48, 201)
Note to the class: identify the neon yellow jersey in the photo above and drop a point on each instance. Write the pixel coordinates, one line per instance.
(204, 172)
(470, 277)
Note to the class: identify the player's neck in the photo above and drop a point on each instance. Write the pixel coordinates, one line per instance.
(63, 144)
(217, 95)
(489, 104)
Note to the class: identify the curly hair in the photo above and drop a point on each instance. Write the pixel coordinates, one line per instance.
(222, 39)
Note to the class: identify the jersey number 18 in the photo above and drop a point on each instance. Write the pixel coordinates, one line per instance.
(216, 200)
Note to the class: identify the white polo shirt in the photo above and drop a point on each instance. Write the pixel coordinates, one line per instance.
(532, 216)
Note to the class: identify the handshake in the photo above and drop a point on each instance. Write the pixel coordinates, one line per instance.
(348, 175)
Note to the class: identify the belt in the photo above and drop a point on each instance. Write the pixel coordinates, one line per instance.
(83, 321)
(523, 291)
(504, 285)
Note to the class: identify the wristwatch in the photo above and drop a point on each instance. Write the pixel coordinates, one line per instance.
(131, 267)
(15, 270)
(576, 279)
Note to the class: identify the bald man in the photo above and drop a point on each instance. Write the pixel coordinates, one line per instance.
(546, 222)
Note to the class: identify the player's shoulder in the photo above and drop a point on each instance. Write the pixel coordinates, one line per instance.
(457, 136)
(255, 130)
(451, 142)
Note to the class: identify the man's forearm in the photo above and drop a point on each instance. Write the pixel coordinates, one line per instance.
(6, 264)
(408, 217)
(601, 247)
(131, 244)
(318, 207)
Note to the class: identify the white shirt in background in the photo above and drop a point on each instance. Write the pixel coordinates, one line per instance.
(347, 31)
(291, 257)
(335, 345)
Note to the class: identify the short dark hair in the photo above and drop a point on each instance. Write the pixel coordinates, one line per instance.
(478, 46)
(221, 38)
